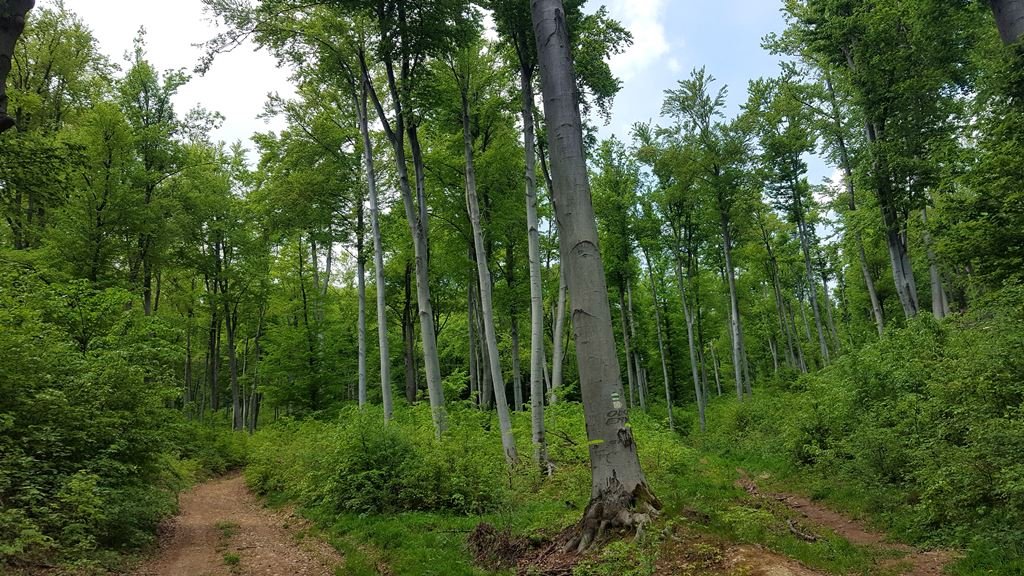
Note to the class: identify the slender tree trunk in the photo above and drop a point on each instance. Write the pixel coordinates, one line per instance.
(827, 305)
(812, 283)
(231, 323)
(1009, 19)
(637, 361)
(378, 253)
(474, 370)
(418, 228)
(847, 167)
(214, 359)
(619, 487)
(661, 344)
(688, 316)
(714, 366)
(557, 355)
(517, 368)
(895, 236)
(540, 451)
(485, 362)
(484, 278)
(734, 308)
(940, 303)
(409, 338)
(630, 374)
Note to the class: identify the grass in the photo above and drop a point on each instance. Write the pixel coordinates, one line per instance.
(698, 492)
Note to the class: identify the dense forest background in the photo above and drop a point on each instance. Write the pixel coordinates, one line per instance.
(172, 307)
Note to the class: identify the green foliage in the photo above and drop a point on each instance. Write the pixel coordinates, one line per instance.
(356, 465)
(925, 425)
(86, 458)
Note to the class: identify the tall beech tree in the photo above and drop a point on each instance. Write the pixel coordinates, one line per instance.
(620, 495)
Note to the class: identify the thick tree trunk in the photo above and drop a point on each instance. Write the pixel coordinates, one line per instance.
(484, 278)
(557, 354)
(1009, 19)
(540, 453)
(12, 24)
(620, 495)
(378, 253)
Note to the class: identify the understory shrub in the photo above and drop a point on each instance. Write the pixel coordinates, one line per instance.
(929, 420)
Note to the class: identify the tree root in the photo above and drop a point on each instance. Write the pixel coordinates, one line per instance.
(614, 508)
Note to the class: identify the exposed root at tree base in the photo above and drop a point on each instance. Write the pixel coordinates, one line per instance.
(614, 508)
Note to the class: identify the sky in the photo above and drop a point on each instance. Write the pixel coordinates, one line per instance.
(671, 37)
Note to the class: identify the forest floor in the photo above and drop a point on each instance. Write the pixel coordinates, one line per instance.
(224, 530)
(812, 517)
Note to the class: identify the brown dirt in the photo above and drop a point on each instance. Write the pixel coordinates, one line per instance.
(221, 517)
(913, 562)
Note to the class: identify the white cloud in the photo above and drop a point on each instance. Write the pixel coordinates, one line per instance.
(674, 65)
(236, 85)
(643, 18)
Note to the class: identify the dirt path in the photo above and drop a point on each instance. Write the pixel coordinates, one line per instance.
(912, 562)
(223, 530)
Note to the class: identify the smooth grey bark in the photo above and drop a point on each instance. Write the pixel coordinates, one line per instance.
(630, 374)
(474, 369)
(485, 363)
(738, 358)
(540, 451)
(557, 354)
(484, 278)
(688, 317)
(827, 305)
(714, 366)
(940, 303)
(409, 339)
(517, 372)
(812, 291)
(12, 24)
(620, 495)
(895, 238)
(378, 253)
(847, 167)
(1009, 19)
(637, 360)
(418, 228)
(361, 291)
(661, 346)
(231, 323)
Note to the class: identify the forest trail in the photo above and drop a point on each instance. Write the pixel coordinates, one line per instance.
(909, 561)
(224, 530)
